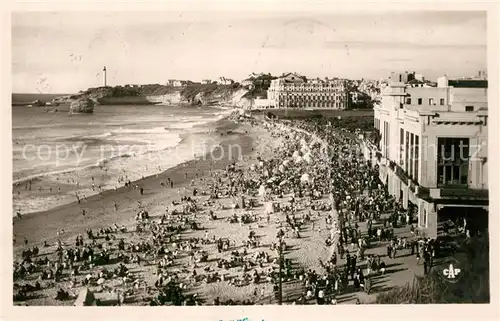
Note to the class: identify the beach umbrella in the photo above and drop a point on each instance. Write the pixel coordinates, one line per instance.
(269, 208)
(262, 190)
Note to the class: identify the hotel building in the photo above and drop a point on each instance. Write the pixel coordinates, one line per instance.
(296, 91)
(432, 152)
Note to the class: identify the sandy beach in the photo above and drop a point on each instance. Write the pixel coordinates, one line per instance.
(100, 210)
(255, 141)
(214, 236)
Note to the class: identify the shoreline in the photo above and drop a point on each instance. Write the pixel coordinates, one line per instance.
(30, 223)
(39, 199)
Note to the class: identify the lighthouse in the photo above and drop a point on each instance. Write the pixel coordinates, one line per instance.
(104, 73)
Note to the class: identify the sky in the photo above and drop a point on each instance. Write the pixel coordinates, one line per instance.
(64, 52)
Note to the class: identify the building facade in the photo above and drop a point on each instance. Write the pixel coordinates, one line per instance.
(177, 83)
(296, 91)
(432, 153)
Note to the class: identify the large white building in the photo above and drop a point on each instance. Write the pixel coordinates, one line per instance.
(295, 91)
(433, 149)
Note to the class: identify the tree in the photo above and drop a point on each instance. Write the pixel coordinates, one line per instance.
(472, 287)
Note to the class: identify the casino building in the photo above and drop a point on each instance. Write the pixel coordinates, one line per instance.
(432, 150)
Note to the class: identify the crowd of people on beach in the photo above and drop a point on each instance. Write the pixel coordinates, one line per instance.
(316, 175)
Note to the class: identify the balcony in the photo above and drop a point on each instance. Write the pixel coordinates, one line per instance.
(464, 193)
(451, 193)
(400, 173)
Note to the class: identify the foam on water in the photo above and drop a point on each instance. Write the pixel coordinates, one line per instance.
(141, 152)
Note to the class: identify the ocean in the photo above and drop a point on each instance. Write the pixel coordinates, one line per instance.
(66, 155)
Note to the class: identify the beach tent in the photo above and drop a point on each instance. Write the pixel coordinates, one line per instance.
(269, 208)
(261, 164)
(281, 168)
(85, 298)
(262, 191)
(298, 160)
(304, 178)
(296, 154)
(307, 157)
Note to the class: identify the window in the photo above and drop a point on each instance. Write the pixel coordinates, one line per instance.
(400, 105)
(419, 101)
(431, 101)
(452, 161)
(408, 101)
(385, 139)
(469, 108)
(441, 101)
(387, 147)
(401, 146)
(412, 137)
(407, 147)
(415, 159)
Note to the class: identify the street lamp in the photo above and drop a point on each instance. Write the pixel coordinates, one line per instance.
(280, 281)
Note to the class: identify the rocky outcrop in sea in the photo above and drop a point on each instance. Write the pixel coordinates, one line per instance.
(82, 106)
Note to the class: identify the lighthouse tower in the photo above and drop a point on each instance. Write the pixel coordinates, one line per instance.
(104, 73)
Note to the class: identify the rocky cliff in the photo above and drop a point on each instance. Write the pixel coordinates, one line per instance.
(196, 94)
(232, 98)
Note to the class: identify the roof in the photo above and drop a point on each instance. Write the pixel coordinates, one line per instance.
(468, 83)
(293, 74)
(415, 81)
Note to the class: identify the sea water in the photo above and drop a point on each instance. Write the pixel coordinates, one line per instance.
(79, 153)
